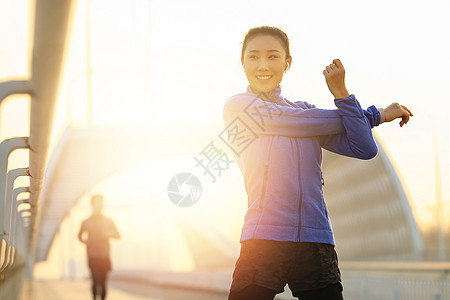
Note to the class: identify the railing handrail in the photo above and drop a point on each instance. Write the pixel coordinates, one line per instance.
(410, 266)
(53, 19)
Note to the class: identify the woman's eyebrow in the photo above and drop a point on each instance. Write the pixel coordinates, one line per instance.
(273, 50)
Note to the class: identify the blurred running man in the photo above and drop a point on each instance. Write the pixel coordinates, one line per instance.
(95, 232)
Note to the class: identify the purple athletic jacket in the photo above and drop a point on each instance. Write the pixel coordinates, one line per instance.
(277, 145)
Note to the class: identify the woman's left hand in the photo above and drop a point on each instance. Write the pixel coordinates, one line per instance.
(395, 111)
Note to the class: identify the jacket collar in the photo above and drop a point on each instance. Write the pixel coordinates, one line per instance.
(271, 96)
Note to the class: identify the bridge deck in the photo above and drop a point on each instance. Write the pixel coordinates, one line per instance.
(117, 290)
(68, 290)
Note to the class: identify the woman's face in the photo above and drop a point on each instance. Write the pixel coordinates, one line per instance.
(264, 63)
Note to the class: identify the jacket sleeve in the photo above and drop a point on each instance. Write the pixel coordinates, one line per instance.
(372, 113)
(357, 141)
(265, 118)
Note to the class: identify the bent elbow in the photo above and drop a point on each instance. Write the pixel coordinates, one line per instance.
(370, 152)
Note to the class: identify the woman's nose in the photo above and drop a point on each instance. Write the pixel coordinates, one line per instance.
(262, 64)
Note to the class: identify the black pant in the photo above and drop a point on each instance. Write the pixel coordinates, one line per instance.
(255, 292)
(99, 266)
(98, 283)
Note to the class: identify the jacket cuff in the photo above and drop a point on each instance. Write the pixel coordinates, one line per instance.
(374, 116)
(349, 97)
(382, 115)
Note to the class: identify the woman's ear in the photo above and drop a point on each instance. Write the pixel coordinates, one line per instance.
(288, 63)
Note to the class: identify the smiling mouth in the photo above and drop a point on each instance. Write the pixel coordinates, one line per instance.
(264, 77)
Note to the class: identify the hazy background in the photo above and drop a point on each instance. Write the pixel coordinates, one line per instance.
(156, 62)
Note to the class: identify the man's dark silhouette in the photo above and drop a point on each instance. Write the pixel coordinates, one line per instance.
(95, 232)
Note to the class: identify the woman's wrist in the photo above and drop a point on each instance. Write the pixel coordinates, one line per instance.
(382, 115)
(341, 95)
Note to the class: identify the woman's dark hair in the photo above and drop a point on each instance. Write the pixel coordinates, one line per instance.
(266, 30)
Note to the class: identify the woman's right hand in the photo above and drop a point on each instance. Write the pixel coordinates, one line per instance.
(335, 78)
(395, 111)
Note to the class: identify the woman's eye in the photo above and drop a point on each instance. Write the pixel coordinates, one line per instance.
(273, 56)
(253, 57)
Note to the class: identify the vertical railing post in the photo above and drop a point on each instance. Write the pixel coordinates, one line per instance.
(8, 205)
(24, 224)
(14, 231)
(6, 147)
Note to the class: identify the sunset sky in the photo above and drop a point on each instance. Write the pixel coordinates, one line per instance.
(169, 62)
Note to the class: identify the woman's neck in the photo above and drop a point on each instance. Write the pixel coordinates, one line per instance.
(272, 95)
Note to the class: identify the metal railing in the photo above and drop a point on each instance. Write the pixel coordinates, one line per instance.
(18, 218)
(396, 280)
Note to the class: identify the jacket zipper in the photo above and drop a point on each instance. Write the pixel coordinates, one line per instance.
(300, 192)
(266, 169)
(266, 174)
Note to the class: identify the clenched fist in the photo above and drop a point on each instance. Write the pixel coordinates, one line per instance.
(335, 78)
